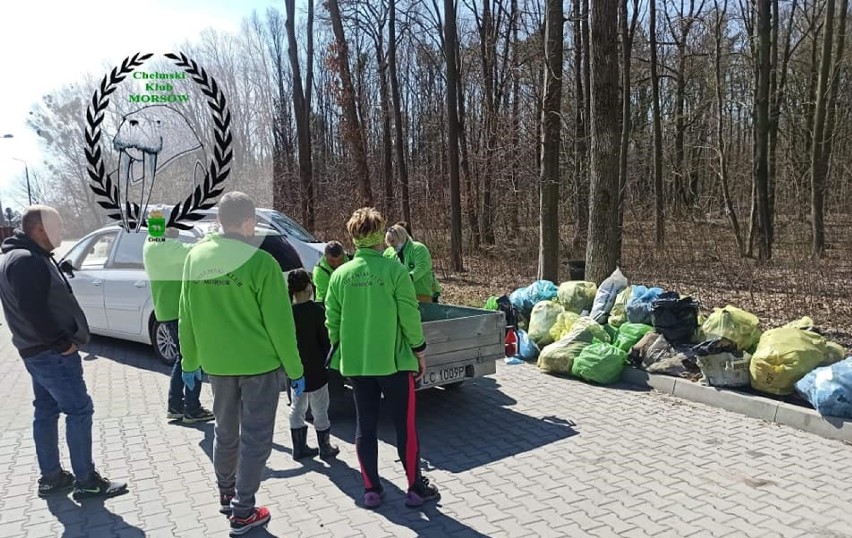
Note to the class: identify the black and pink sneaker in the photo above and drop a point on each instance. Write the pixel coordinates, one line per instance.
(421, 492)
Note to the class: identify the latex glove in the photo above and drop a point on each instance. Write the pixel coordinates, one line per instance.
(189, 378)
(298, 385)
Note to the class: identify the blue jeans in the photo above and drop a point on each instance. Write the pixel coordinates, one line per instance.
(181, 399)
(59, 387)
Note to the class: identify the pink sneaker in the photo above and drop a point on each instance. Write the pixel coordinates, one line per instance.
(373, 499)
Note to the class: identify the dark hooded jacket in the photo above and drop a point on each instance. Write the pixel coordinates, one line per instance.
(38, 302)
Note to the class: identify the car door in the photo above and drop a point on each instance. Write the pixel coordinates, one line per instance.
(126, 288)
(89, 259)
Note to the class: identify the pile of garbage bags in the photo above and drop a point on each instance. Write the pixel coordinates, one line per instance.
(593, 332)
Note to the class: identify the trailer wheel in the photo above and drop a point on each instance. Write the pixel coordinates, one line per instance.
(453, 386)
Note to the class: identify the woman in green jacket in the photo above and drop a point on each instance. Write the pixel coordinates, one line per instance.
(416, 259)
(377, 341)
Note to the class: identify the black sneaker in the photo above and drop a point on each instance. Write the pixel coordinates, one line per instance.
(225, 504)
(202, 415)
(174, 414)
(421, 492)
(258, 517)
(98, 486)
(62, 482)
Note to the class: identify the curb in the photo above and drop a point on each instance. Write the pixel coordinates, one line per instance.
(758, 407)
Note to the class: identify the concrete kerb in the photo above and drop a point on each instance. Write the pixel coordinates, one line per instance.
(747, 404)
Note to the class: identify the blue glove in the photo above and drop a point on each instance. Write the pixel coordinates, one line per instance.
(298, 385)
(189, 378)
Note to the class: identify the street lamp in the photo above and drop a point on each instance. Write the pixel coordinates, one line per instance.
(26, 171)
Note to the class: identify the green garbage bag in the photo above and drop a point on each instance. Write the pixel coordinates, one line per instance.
(784, 356)
(629, 335)
(577, 296)
(544, 315)
(734, 324)
(563, 325)
(491, 303)
(618, 316)
(611, 331)
(600, 363)
(558, 357)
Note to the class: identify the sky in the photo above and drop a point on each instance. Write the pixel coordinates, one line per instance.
(45, 44)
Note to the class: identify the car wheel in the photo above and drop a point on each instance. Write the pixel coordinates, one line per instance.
(165, 347)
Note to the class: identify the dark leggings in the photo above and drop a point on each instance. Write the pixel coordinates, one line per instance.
(399, 394)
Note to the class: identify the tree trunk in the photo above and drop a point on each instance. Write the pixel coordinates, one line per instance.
(387, 145)
(761, 165)
(352, 125)
(721, 84)
(450, 53)
(627, 33)
(397, 114)
(302, 109)
(601, 254)
(819, 164)
(548, 252)
(470, 184)
(581, 182)
(659, 195)
(514, 193)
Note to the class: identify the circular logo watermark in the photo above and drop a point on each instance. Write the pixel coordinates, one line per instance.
(151, 137)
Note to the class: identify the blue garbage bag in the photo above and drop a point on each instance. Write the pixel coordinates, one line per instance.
(640, 306)
(829, 389)
(524, 299)
(527, 349)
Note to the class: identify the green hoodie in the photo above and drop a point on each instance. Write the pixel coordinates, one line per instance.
(322, 274)
(418, 262)
(373, 318)
(163, 261)
(235, 312)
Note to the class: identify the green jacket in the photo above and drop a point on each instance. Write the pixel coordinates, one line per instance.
(322, 274)
(163, 261)
(373, 317)
(235, 311)
(418, 262)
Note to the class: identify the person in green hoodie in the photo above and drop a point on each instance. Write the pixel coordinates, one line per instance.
(415, 257)
(236, 322)
(334, 256)
(374, 326)
(163, 262)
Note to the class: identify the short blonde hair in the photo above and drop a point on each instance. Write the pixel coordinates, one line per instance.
(365, 222)
(396, 235)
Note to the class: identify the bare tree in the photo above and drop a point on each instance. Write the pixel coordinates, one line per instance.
(659, 195)
(548, 251)
(601, 254)
(628, 31)
(302, 106)
(352, 124)
(451, 44)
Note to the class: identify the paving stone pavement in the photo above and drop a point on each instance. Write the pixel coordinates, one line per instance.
(519, 454)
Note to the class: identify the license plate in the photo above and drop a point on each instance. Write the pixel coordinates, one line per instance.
(441, 375)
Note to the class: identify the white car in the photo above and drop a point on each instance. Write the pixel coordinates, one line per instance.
(106, 273)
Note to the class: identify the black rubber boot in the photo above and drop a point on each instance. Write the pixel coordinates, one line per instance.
(327, 450)
(301, 450)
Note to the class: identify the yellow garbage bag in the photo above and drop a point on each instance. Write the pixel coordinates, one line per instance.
(804, 323)
(563, 325)
(558, 357)
(834, 353)
(576, 295)
(738, 326)
(618, 316)
(784, 356)
(543, 317)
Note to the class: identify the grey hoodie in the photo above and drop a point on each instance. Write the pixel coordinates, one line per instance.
(38, 303)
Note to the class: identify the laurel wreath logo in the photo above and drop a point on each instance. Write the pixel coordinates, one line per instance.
(204, 196)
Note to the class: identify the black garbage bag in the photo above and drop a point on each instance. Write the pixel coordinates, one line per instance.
(675, 318)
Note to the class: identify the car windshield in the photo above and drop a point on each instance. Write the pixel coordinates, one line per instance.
(291, 227)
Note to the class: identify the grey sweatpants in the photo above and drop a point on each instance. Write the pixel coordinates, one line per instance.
(245, 409)
(318, 402)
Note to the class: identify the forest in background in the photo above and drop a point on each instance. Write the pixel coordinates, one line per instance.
(699, 144)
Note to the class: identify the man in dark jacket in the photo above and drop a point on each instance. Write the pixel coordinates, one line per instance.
(47, 325)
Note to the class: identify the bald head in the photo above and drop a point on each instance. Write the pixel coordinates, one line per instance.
(43, 225)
